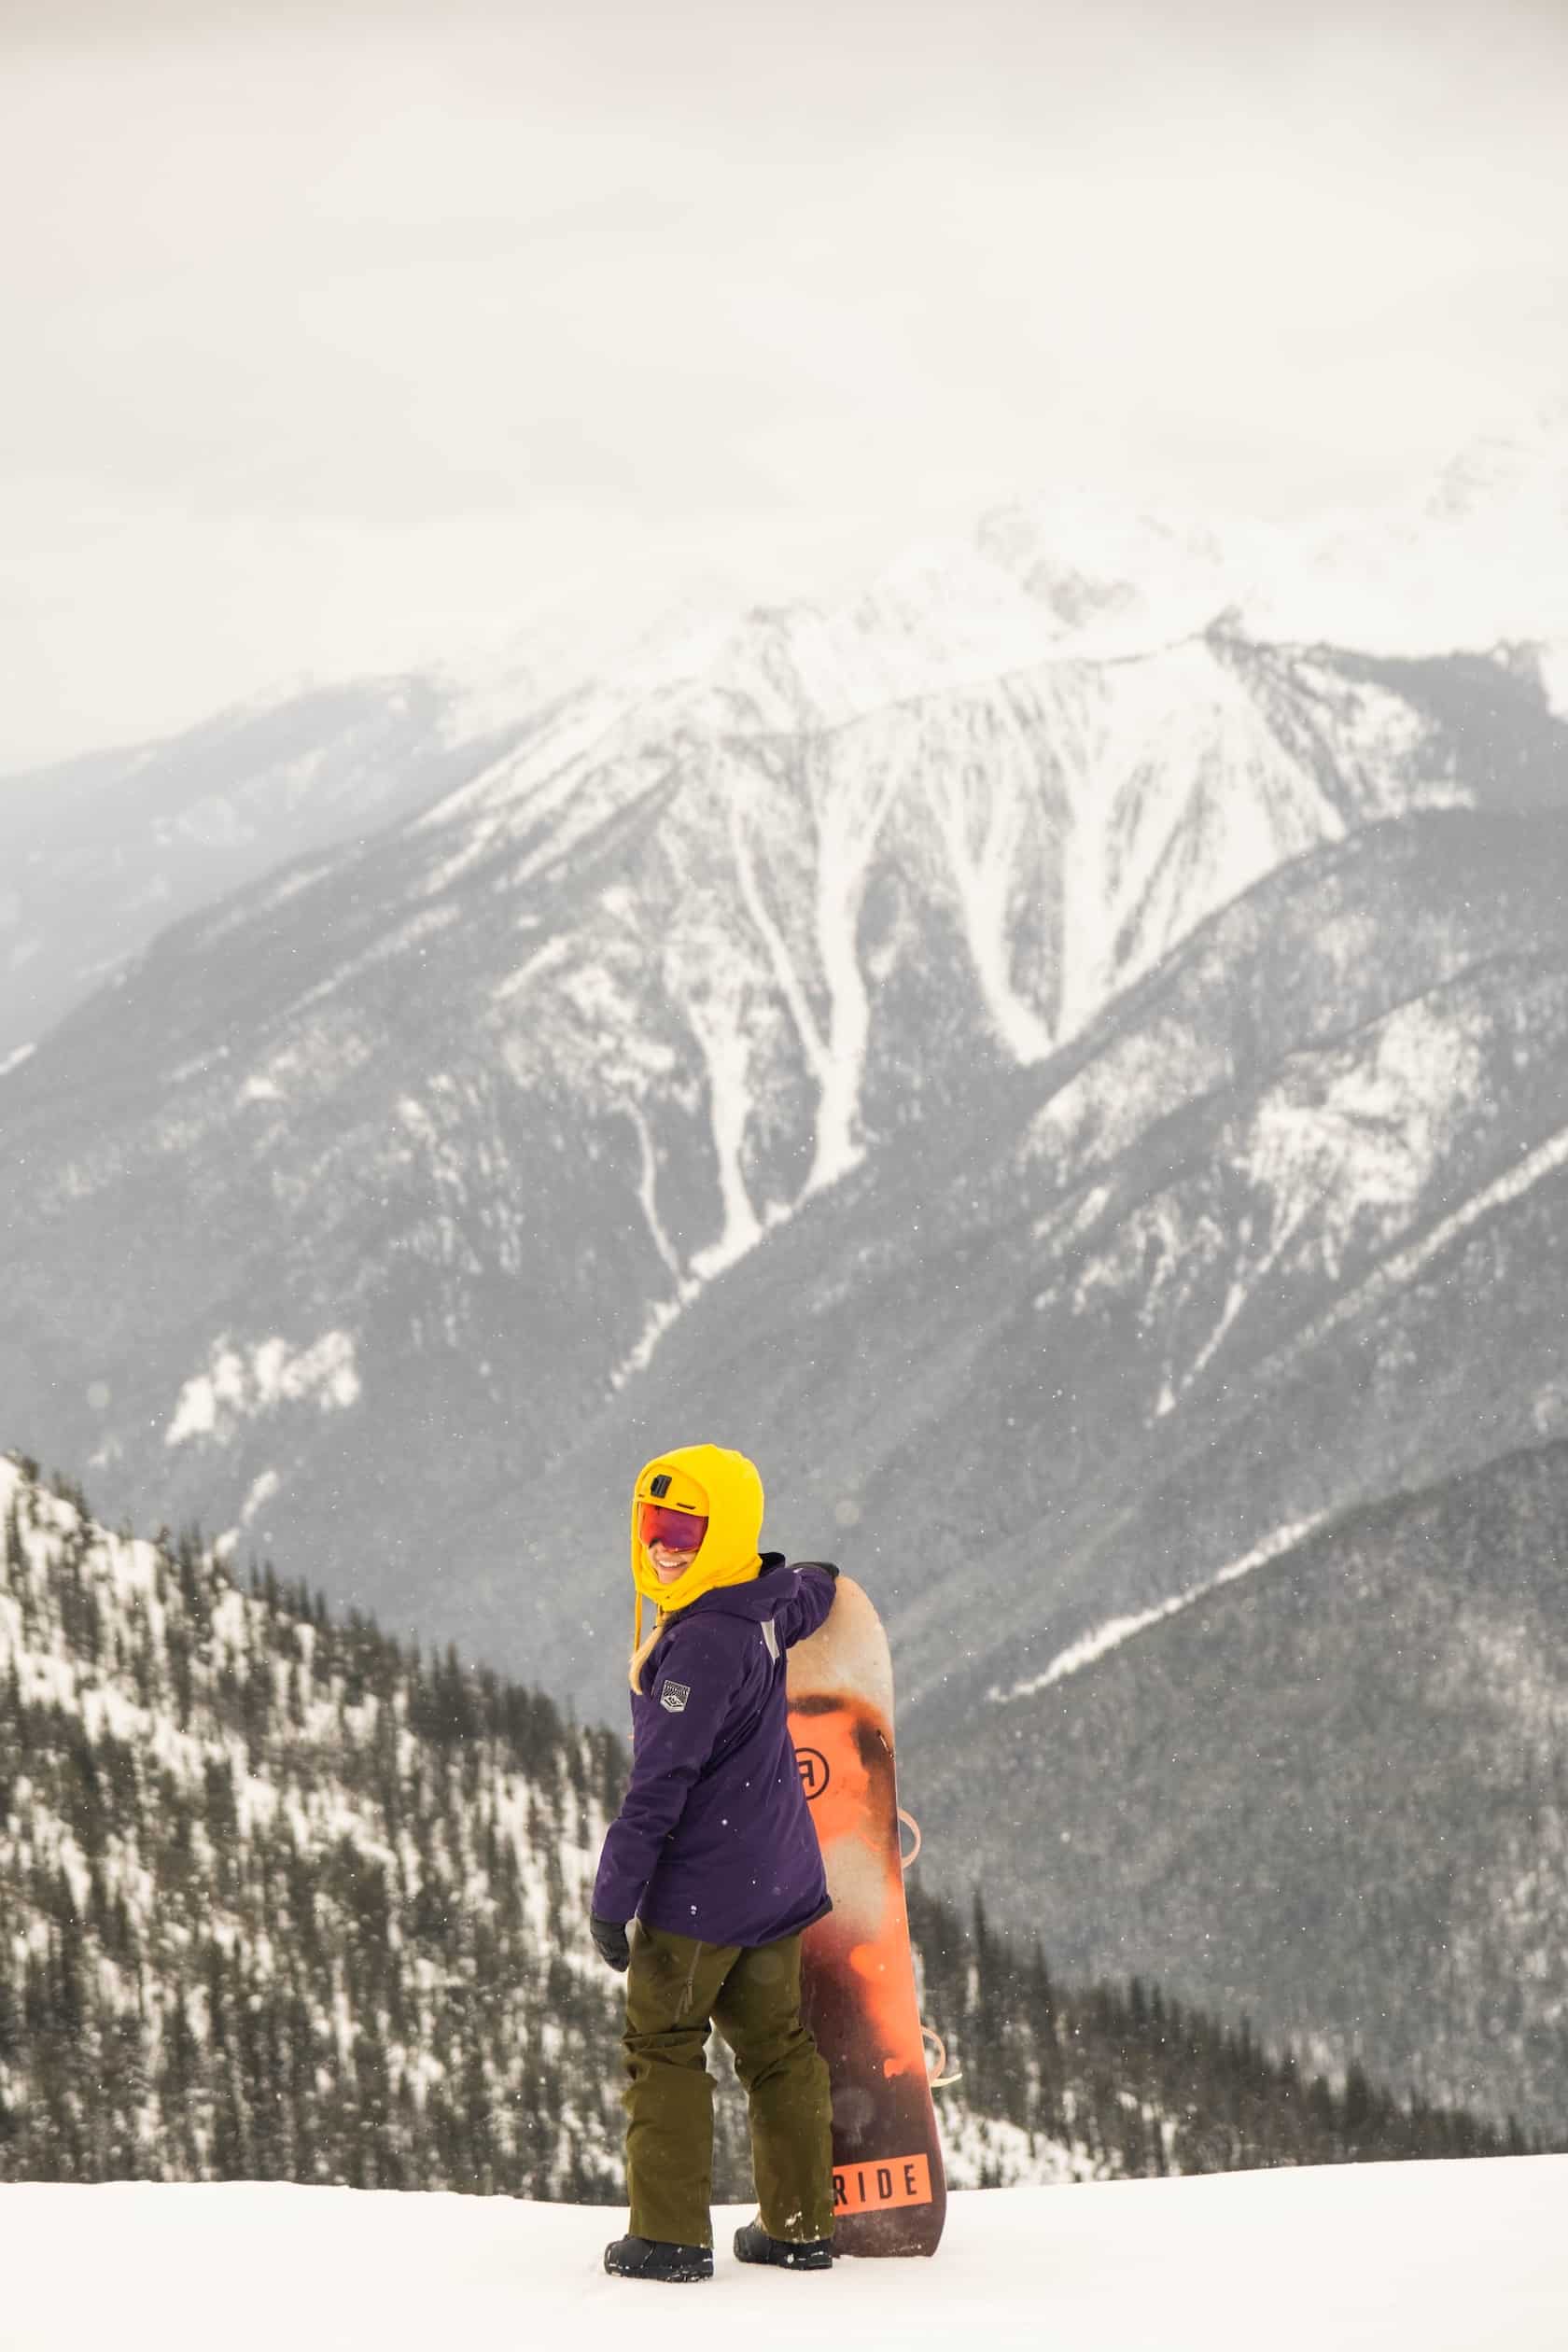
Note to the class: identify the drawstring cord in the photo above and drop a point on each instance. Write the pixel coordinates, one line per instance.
(935, 2078)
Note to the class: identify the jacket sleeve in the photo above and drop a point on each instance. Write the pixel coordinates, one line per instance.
(676, 1734)
(803, 1612)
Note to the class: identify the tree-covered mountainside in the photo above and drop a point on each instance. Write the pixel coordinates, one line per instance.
(1330, 1791)
(282, 1899)
(1136, 2085)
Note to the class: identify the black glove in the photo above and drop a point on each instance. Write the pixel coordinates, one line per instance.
(609, 1942)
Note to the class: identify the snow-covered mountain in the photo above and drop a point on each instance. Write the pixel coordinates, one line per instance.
(1474, 559)
(136, 839)
(1264, 1240)
(1083, 1104)
(1478, 558)
(1276, 1236)
(380, 1177)
(98, 854)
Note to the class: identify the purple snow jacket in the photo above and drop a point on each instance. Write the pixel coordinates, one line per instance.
(714, 1839)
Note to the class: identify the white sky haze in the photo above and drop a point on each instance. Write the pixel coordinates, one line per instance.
(344, 338)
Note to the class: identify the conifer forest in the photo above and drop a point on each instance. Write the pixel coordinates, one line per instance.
(285, 1898)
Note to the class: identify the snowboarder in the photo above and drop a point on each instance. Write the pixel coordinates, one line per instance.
(714, 1863)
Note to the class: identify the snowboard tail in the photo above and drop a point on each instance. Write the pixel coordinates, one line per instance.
(858, 1975)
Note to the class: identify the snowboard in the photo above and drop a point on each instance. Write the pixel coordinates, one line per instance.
(857, 1973)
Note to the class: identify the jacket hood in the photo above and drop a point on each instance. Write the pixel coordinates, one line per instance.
(756, 1599)
(727, 1490)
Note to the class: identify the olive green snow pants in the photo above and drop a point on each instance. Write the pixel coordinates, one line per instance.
(675, 1989)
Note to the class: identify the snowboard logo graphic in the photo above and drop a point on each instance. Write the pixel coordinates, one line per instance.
(673, 1696)
(814, 1772)
(880, 2188)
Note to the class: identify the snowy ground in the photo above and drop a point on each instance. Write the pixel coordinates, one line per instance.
(1435, 2258)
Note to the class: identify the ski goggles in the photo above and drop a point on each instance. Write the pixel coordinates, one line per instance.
(682, 1530)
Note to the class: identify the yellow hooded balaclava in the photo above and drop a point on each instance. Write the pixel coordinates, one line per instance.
(726, 1489)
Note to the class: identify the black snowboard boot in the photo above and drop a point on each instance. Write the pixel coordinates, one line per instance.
(653, 2258)
(754, 2244)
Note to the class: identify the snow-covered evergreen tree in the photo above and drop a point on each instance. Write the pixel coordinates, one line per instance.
(283, 1900)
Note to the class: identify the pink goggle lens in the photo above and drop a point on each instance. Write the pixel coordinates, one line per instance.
(682, 1530)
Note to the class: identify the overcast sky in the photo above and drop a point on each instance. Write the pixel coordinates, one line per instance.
(344, 335)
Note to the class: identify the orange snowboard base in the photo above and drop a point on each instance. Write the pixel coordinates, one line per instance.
(858, 1977)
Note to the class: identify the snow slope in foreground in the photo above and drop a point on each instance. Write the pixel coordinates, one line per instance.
(1446, 2258)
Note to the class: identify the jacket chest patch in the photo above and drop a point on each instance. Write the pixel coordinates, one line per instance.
(672, 1697)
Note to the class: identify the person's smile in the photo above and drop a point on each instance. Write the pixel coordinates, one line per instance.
(669, 1565)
